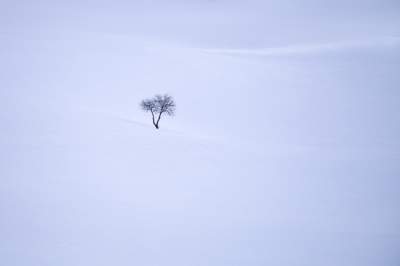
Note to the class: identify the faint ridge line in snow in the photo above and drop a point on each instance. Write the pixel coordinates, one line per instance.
(386, 42)
(117, 117)
(130, 121)
(171, 131)
(114, 116)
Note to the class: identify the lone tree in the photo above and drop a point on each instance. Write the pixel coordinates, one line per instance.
(157, 106)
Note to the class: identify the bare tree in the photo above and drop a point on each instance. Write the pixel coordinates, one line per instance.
(157, 106)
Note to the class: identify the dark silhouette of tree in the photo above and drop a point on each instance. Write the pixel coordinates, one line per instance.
(157, 106)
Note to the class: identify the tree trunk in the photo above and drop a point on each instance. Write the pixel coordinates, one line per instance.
(158, 120)
(154, 122)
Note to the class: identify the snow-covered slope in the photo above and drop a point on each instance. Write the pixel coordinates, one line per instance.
(277, 156)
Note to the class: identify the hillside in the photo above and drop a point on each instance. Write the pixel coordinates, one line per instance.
(280, 155)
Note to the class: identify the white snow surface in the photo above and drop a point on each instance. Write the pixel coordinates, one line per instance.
(284, 150)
